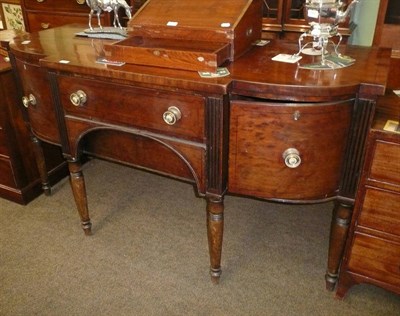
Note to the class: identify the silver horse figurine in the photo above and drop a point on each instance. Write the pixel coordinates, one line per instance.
(108, 6)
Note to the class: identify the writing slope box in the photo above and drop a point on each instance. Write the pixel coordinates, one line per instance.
(192, 24)
(176, 54)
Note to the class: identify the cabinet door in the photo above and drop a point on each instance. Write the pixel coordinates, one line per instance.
(272, 15)
(36, 87)
(264, 139)
(294, 14)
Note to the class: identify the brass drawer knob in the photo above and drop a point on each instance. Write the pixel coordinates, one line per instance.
(40, 1)
(172, 115)
(30, 100)
(78, 98)
(44, 26)
(292, 158)
(80, 1)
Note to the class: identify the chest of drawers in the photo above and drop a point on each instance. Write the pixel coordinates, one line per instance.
(44, 14)
(373, 249)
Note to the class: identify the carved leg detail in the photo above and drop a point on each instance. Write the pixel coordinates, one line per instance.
(215, 229)
(41, 163)
(79, 191)
(341, 219)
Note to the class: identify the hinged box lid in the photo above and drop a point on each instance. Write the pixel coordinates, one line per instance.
(187, 27)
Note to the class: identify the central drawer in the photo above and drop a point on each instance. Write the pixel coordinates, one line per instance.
(157, 111)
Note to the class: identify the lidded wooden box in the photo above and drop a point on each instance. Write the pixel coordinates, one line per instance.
(189, 34)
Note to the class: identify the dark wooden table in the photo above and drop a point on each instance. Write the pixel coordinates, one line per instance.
(270, 130)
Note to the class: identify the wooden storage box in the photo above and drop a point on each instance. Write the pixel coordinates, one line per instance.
(190, 34)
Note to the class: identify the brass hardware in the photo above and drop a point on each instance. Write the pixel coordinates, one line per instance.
(31, 100)
(40, 0)
(80, 1)
(45, 25)
(296, 115)
(292, 158)
(172, 115)
(249, 31)
(78, 98)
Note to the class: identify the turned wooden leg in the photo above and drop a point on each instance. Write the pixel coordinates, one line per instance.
(41, 164)
(79, 191)
(215, 229)
(341, 219)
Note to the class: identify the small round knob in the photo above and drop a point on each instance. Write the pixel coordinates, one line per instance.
(80, 1)
(78, 98)
(291, 156)
(30, 100)
(44, 26)
(40, 0)
(172, 115)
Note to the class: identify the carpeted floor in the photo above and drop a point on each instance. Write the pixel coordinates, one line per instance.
(148, 254)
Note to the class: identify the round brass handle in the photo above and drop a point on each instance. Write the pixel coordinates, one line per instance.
(78, 98)
(45, 26)
(172, 115)
(80, 1)
(40, 0)
(292, 158)
(30, 100)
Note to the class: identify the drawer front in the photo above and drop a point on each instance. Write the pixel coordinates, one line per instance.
(376, 258)
(57, 5)
(43, 21)
(6, 173)
(380, 211)
(136, 107)
(264, 135)
(386, 163)
(40, 5)
(3, 143)
(41, 115)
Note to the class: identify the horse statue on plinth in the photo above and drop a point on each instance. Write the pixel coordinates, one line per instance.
(97, 6)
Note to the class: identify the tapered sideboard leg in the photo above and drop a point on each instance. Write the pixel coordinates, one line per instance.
(215, 229)
(79, 191)
(41, 164)
(340, 225)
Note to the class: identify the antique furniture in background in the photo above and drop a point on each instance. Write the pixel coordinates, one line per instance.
(285, 19)
(256, 132)
(372, 252)
(387, 34)
(20, 179)
(44, 14)
(11, 15)
(373, 249)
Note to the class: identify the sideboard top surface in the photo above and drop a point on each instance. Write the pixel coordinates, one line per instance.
(253, 74)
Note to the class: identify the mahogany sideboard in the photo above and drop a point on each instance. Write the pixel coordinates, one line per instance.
(269, 130)
(20, 177)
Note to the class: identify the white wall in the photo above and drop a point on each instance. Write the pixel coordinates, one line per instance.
(364, 16)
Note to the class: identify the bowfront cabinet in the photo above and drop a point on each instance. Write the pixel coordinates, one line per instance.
(276, 153)
(20, 178)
